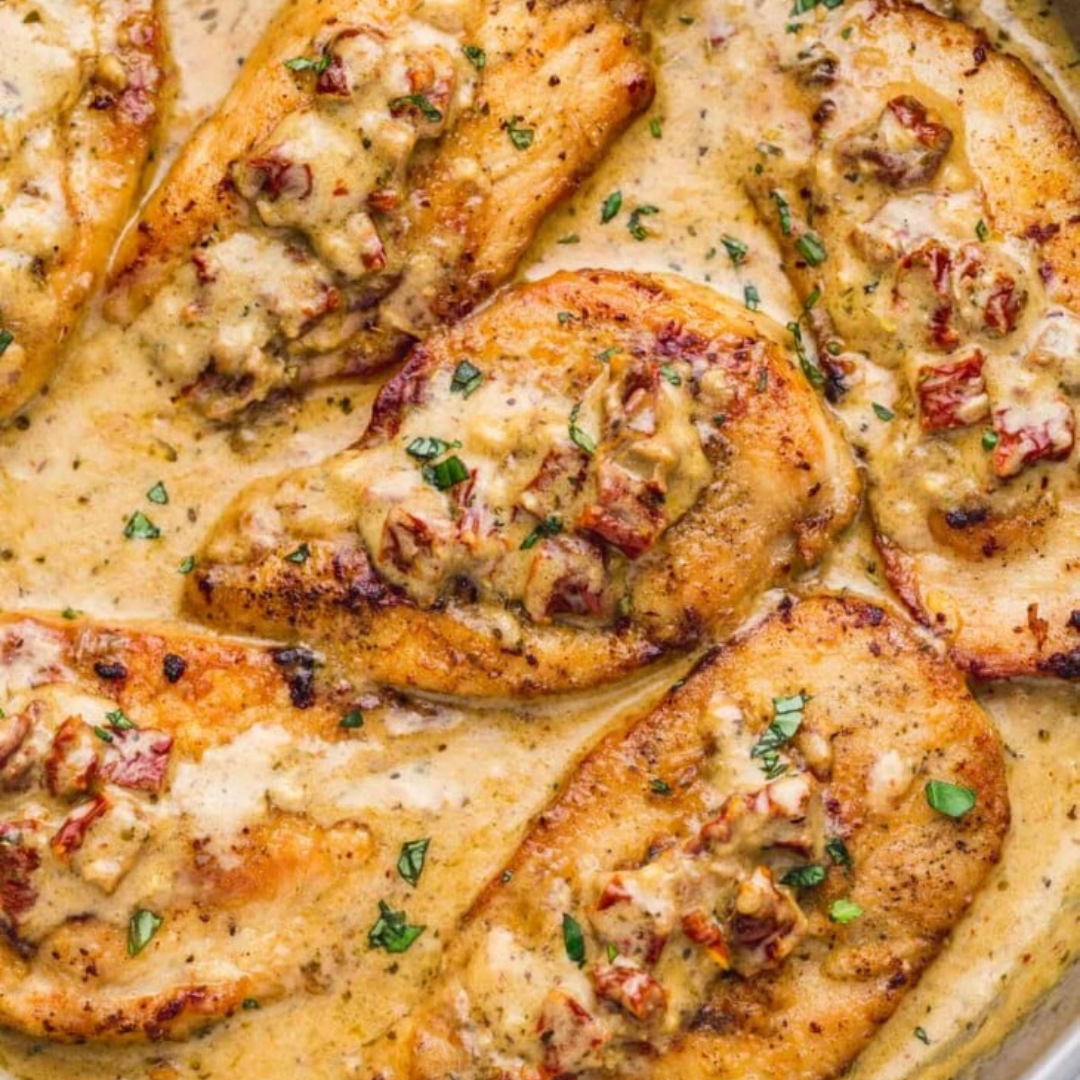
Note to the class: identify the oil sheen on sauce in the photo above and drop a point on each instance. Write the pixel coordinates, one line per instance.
(106, 433)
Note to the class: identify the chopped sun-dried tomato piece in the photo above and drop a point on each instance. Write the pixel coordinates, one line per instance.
(953, 395)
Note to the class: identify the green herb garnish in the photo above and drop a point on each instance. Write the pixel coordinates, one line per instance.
(142, 927)
(424, 448)
(521, 137)
(444, 475)
(611, 206)
(305, 63)
(475, 55)
(952, 800)
(736, 249)
(550, 526)
(140, 527)
(158, 494)
(883, 413)
(573, 939)
(410, 864)
(466, 379)
(581, 438)
(804, 877)
(299, 556)
(392, 930)
(751, 298)
(419, 102)
(811, 248)
(844, 910)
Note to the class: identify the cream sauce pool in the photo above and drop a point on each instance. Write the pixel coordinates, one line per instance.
(85, 456)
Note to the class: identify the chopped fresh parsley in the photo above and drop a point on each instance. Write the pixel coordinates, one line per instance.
(6, 338)
(306, 63)
(418, 102)
(670, 375)
(784, 211)
(920, 1034)
(982, 230)
(736, 249)
(410, 864)
(814, 375)
(837, 850)
(607, 354)
(158, 494)
(104, 734)
(392, 930)
(140, 527)
(751, 297)
(804, 877)
(352, 720)
(521, 137)
(475, 55)
(466, 379)
(658, 786)
(787, 717)
(612, 952)
(569, 238)
(566, 317)
(634, 225)
(952, 800)
(573, 940)
(300, 555)
(425, 448)
(844, 910)
(655, 130)
(142, 927)
(444, 475)
(581, 438)
(811, 248)
(611, 206)
(550, 526)
(250, 1004)
(119, 721)
(187, 564)
(989, 439)
(763, 380)
(70, 613)
(811, 301)
(883, 413)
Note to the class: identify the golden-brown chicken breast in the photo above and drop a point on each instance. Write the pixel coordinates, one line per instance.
(78, 105)
(378, 168)
(175, 839)
(742, 887)
(932, 222)
(596, 469)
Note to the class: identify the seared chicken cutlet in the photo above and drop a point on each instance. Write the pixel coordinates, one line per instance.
(598, 468)
(78, 108)
(378, 168)
(173, 834)
(743, 886)
(935, 211)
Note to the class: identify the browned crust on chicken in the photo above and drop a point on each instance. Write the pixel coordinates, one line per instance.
(496, 144)
(90, 172)
(238, 907)
(942, 181)
(883, 715)
(639, 458)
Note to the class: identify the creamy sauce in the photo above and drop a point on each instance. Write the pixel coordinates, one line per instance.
(106, 433)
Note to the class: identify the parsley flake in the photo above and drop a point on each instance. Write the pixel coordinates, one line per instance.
(6, 338)
(634, 225)
(804, 877)
(140, 527)
(187, 564)
(466, 379)
(475, 55)
(392, 930)
(670, 375)
(784, 211)
(751, 298)
(426, 448)
(550, 526)
(920, 1034)
(119, 721)
(658, 786)
(521, 137)
(418, 102)
(811, 248)
(299, 556)
(581, 438)
(70, 613)
(611, 206)
(837, 850)
(844, 910)
(736, 249)
(814, 375)
(883, 413)
(306, 63)
(952, 800)
(142, 927)
(989, 439)
(982, 230)
(410, 864)
(573, 940)
(352, 720)
(158, 494)
(569, 238)
(445, 474)
(655, 130)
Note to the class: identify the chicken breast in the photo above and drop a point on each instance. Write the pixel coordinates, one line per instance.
(935, 210)
(78, 108)
(598, 468)
(174, 839)
(378, 168)
(744, 885)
